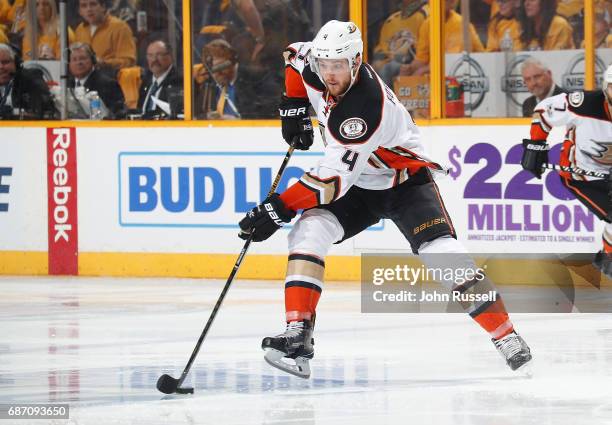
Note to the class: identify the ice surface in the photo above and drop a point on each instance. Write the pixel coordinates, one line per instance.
(100, 344)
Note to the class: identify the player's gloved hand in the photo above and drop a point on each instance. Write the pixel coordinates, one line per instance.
(296, 123)
(265, 219)
(535, 154)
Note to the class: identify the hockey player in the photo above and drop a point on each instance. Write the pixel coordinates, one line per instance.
(587, 146)
(373, 167)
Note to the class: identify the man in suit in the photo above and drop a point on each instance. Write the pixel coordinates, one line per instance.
(83, 73)
(23, 92)
(233, 92)
(539, 82)
(161, 82)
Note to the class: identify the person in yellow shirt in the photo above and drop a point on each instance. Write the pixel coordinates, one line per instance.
(398, 37)
(504, 30)
(16, 16)
(5, 9)
(453, 34)
(48, 43)
(110, 37)
(542, 28)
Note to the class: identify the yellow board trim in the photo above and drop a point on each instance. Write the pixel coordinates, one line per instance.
(211, 266)
(24, 263)
(514, 271)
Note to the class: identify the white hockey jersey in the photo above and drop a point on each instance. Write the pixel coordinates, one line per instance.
(370, 138)
(589, 129)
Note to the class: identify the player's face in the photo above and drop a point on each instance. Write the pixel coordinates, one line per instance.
(537, 80)
(336, 74)
(80, 63)
(7, 67)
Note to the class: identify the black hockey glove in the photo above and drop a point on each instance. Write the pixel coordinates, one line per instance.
(265, 219)
(297, 127)
(535, 154)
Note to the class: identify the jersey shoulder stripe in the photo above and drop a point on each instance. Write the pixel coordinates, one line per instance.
(358, 115)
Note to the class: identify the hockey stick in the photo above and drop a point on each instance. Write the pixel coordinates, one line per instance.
(573, 170)
(166, 383)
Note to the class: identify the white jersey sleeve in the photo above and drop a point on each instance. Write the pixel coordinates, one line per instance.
(551, 112)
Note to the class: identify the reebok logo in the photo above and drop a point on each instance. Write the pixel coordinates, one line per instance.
(62, 201)
(61, 189)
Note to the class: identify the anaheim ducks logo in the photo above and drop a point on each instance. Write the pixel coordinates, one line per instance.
(602, 152)
(353, 128)
(352, 28)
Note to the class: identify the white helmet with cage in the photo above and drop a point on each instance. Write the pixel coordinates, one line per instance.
(607, 79)
(337, 40)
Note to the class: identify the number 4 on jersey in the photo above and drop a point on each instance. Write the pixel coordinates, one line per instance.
(350, 158)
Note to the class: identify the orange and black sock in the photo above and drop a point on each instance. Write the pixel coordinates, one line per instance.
(303, 286)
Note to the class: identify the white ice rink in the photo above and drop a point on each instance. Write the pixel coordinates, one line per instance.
(101, 344)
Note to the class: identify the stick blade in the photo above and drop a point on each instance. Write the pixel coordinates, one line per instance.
(167, 384)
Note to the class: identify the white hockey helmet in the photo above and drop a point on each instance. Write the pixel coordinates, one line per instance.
(337, 40)
(607, 79)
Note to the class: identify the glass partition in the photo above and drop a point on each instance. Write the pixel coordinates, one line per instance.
(500, 56)
(124, 59)
(237, 52)
(396, 31)
(525, 51)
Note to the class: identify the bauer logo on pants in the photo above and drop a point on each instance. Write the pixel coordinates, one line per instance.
(62, 201)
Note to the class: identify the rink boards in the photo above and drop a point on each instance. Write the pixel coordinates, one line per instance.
(165, 201)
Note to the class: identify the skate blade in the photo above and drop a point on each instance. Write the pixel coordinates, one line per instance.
(277, 359)
(526, 370)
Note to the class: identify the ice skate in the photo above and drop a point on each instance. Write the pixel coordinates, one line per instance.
(603, 262)
(514, 349)
(291, 350)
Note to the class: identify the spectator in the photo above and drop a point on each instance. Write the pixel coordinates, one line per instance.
(84, 74)
(539, 82)
(398, 37)
(48, 32)
(237, 15)
(14, 16)
(603, 38)
(110, 37)
(126, 11)
(504, 30)
(454, 43)
(3, 38)
(23, 92)
(162, 81)
(231, 93)
(542, 28)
